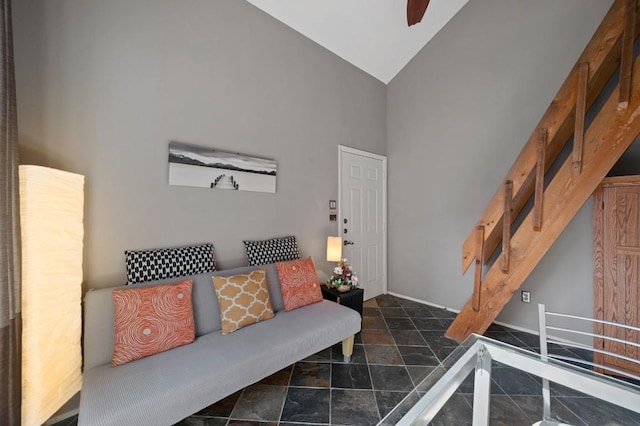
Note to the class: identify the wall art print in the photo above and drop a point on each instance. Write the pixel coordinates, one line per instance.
(191, 165)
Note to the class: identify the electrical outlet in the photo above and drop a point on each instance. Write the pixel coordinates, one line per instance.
(525, 296)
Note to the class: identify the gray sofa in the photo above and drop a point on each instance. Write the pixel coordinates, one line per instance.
(164, 388)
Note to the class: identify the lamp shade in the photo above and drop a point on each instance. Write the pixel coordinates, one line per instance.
(334, 249)
(51, 207)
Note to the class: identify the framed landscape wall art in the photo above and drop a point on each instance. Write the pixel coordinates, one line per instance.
(191, 165)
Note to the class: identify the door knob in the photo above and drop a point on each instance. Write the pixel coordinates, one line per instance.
(348, 243)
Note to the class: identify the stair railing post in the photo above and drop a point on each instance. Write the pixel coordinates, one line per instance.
(626, 60)
(506, 225)
(477, 281)
(539, 188)
(581, 106)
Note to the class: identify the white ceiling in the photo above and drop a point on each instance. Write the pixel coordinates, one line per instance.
(371, 34)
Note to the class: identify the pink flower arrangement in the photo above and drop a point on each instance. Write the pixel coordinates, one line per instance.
(343, 276)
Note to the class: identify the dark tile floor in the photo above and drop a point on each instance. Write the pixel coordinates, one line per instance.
(401, 343)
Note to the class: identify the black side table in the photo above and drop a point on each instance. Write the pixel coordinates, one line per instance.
(352, 299)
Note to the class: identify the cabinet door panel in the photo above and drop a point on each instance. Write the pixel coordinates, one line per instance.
(621, 258)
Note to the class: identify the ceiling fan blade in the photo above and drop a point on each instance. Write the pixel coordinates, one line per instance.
(416, 10)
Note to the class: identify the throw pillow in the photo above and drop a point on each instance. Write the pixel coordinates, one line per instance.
(271, 251)
(244, 300)
(151, 265)
(299, 283)
(149, 320)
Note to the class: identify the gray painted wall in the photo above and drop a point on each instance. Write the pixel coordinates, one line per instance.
(103, 86)
(457, 117)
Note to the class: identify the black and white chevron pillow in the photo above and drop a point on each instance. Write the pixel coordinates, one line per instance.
(271, 251)
(157, 264)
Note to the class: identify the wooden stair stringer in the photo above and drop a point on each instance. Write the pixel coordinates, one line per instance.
(602, 53)
(609, 135)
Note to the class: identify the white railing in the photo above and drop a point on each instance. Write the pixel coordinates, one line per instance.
(479, 356)
(567, 339)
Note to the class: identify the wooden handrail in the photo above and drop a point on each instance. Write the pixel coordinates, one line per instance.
(603, 55)
(606, 139)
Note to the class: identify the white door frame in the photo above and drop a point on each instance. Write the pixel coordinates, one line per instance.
(347, 149)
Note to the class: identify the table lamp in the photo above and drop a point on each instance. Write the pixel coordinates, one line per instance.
(334, 249)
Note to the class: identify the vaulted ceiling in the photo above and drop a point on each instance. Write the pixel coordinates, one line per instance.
(373, 35)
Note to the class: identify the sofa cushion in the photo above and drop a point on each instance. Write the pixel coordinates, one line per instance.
(150, 320)
(243, 299)
(299, 283)
(271, 251)
(157, 264)
(167, 387)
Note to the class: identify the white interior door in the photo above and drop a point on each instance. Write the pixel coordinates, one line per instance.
(362, 217)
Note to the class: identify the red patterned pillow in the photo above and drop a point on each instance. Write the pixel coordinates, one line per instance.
(149, 320)
(299, 283)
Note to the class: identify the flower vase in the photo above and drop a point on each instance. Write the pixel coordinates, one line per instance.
(344, 288)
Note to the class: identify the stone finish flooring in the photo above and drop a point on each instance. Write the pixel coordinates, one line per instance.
(400, 344)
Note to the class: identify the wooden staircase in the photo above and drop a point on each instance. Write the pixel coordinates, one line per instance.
(595, 151)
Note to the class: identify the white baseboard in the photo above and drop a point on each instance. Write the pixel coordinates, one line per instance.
(424, 302)
(517, 327)
(58, 417)
(457, 311)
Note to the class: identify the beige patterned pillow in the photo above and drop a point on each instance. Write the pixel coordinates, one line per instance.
(244, 300)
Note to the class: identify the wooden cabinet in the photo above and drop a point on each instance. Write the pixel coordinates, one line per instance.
(617, 267)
